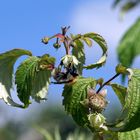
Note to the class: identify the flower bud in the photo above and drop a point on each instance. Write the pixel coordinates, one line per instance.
(69, 60)
(96, 102)
(56, 45)
(97, 121)
(45, 40)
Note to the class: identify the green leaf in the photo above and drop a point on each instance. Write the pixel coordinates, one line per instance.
(46, 60)
(129, 46)
(7, 61)
(99, 39)
(116, 2)
(33, 78)
(120, 91)
(79, 135)
(130, 135)
(78, 52)
(102, 43)
(24, 76)
(57, 135)
(126, 5)
(87, 41)
(73, 95)
(78, 49)
(98, 64)
(47, 135)
(130, 118)
(129, 5)
(44, 133)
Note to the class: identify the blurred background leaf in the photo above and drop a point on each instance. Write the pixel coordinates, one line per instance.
(129, 46)
(126, 5)
(47, 120)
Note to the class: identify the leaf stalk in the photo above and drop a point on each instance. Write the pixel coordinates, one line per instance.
(107, 82)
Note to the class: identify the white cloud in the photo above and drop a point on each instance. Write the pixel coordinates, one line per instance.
(101, 18)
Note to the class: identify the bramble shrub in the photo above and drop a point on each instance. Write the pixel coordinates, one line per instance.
(81, 98)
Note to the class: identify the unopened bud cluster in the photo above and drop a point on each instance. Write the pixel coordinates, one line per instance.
(95, 102)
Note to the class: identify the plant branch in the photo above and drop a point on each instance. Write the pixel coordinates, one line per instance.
(62, 82)
(66, 45)
(108, 82)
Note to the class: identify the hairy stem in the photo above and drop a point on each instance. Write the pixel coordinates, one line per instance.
(108, 82)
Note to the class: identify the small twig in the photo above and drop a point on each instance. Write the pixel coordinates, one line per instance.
(108, 82)
(62, 82)
(66, 45)
(64, 30)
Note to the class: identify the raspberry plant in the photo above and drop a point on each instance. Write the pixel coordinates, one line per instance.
(81, 99)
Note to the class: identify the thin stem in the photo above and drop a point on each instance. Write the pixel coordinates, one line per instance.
(52, 37)
(101, 137)
(62, 82)
(66, 45)
(108, 82)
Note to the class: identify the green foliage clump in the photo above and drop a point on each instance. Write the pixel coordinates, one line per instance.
(81, 98)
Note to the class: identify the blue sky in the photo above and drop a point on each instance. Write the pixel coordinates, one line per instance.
(23, 23)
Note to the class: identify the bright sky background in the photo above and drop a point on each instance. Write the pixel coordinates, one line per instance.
(23, 23)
